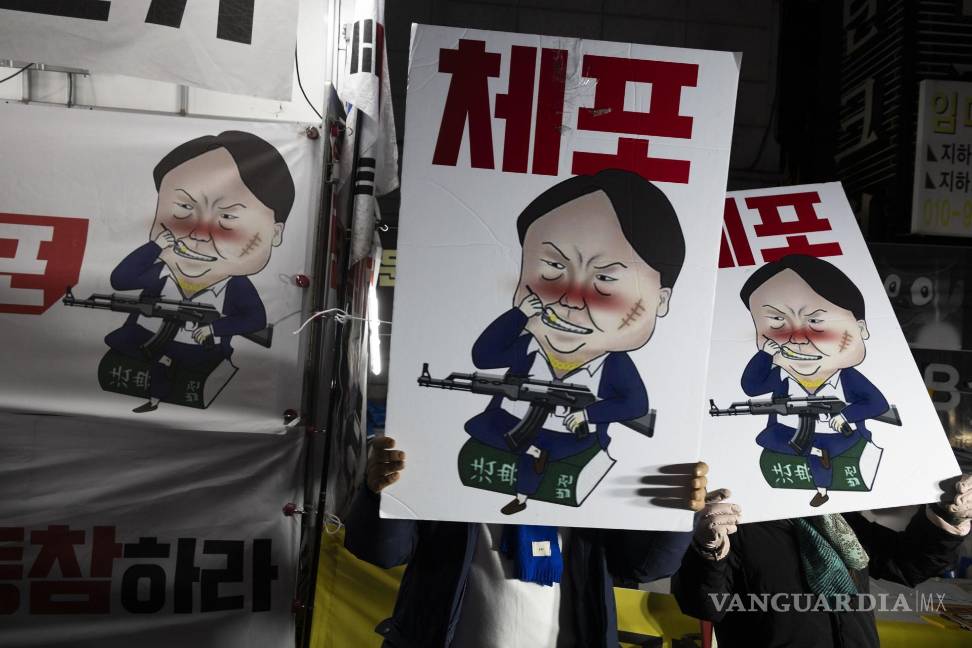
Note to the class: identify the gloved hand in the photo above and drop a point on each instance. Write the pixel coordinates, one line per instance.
(955, 506)
(715, 523)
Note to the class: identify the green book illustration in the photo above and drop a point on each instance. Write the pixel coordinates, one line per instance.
(853, 470)
(566, 482)
(191, 387)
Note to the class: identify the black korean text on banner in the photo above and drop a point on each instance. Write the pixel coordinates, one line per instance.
(39, 257)
(61, 569)
(471, 66)
(235, 16)
(801, 218)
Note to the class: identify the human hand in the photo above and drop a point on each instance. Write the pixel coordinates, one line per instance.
(384, 464)
(955, 506)
(202, 334)
(717, 521)
(680, 486)
(165, 238)
(531, 304)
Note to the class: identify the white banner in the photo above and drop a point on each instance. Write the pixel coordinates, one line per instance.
(942, 201)
(816, 403)
(135, 214)
(589, 262)
(239, 46)
(113, 536)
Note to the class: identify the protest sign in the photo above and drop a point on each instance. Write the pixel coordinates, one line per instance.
(147, 266)
(114, 536)
(561, 208)
(815, 400)
(237, 46)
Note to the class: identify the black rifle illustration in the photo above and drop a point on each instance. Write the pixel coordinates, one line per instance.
(808, 409)
(175, 314)
(542, 395)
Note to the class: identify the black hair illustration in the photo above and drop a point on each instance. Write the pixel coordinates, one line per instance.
(261, 167)
(824, 278)
(647, 218)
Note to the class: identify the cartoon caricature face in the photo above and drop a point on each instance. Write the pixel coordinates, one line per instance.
(598, 294)
(221, 229)
(816, 338)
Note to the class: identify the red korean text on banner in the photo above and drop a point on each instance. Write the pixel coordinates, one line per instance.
(736, 249)
(467, 109)
(40, 256)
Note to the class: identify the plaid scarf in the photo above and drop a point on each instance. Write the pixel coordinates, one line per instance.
(828, 550)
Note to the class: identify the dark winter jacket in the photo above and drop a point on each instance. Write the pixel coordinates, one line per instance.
(439, 555)
(764, 558)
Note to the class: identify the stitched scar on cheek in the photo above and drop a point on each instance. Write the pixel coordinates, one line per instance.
(845, 341)
(633, 314)
(255, 241)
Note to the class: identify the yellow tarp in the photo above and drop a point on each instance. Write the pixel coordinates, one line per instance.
(353, 596)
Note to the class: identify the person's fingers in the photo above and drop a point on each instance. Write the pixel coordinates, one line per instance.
(700, 483)
(388, 479)
(696, 505)
(701, 469)
(383, 442)
(718, 525)
(724, 508)
(388, 456)
(718, 495)
(964, 484)
(391, 466)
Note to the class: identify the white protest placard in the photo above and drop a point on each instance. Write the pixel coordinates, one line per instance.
(179, 240)
(816, 405)
(942, 202)
(561, 208)
(113, 535)
(237, 46)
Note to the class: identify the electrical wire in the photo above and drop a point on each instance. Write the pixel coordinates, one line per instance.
(17, 73)
(301, 86)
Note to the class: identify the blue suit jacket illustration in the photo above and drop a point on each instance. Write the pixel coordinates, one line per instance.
(621, 394)
(243, 310)
(864, 400)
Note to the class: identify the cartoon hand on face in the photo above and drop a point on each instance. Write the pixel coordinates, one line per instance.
(165, 238)
(773, 348)
(531, 304)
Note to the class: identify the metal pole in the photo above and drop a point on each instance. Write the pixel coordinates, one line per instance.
(332, 412)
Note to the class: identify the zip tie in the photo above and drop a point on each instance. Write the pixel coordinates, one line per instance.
(330, 518)
(338, 314)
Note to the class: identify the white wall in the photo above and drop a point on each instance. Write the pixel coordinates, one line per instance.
(112, 91)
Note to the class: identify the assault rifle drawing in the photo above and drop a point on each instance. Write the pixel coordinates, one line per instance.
(808, 409)
(543, 396)
(175, 314)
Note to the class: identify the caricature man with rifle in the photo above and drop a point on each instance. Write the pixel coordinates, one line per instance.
(810, 332)
(222, 204)
(601, 254)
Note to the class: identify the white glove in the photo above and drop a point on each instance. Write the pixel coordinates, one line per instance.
(715, 523)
